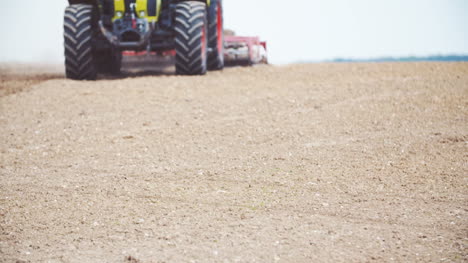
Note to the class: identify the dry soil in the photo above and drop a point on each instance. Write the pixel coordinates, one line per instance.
(298, 163)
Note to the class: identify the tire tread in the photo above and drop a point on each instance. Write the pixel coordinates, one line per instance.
(78, 36)
(190, 21)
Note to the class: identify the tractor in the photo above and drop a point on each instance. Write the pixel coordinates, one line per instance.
(97, 32)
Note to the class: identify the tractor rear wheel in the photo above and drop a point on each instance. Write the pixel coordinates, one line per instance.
(215, 36)
(191, 38)
(78, 36)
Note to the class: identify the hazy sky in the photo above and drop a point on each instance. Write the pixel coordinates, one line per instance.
(309, 30)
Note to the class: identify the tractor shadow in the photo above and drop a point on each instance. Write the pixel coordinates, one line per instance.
(143, 66)
(153, 66)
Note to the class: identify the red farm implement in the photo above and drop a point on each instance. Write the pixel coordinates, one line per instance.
(240, 50)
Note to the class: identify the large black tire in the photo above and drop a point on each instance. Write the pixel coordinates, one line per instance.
(191, 38)
(79, 35)
(215, 35)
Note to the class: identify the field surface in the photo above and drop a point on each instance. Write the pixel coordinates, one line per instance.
(299, 163)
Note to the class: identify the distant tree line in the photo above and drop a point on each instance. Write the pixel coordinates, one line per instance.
(446, 58)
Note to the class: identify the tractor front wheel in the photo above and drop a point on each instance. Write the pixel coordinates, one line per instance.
(78, 40)
(191, 38)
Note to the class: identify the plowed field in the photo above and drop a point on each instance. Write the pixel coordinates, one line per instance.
(299, 163)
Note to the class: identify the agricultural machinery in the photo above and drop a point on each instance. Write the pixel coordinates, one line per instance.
(98, 32)
(239, 50)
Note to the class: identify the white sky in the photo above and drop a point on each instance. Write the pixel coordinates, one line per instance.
(300, 30)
